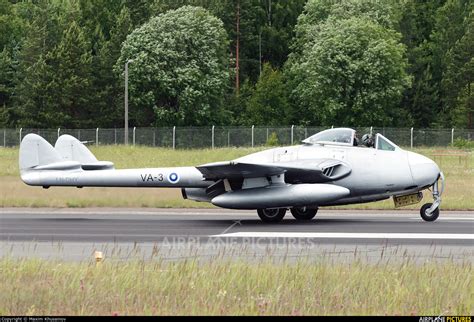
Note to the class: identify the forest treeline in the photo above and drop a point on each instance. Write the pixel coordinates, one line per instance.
(237, 62)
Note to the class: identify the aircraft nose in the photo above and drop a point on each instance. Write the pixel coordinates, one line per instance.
(425, 171)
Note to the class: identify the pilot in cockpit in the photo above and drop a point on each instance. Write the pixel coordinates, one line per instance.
(368, 140)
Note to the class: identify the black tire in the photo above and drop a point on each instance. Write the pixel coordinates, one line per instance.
(271, 215)
(429, 217)
(303, 213)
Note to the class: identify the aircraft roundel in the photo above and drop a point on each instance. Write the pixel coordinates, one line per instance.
(173, 177)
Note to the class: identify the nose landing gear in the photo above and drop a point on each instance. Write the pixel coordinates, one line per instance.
(430, 211)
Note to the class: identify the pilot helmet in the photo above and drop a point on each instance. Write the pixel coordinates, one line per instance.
(367, 139)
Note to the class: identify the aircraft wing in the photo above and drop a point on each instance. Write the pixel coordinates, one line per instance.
(314, 171)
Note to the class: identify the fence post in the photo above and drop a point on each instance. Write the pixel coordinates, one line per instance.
(411, 138)
(253, 127)
(134, 128)
(154, 137)
(452, 136)
(174, 137)
(292, 133)
(21, 130)
(371, 130)
(59, 129)
(97, 136)
(115, 136)
(79, 135)
(213, 136)
(228, 138)
(4, 138)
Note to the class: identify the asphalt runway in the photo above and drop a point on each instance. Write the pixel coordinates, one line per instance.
(207, 234)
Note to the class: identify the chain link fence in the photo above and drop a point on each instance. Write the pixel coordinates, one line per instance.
(224, 136)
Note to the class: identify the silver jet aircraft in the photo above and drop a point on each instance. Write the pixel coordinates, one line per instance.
(329, 168)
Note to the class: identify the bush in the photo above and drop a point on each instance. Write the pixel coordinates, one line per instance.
(273, 140)
(463, 143)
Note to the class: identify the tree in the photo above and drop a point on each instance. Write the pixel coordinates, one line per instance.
(353, 74)
(179, 71)
(416, 25)
(33, 101)
(269, 103)
(452, 66)
(106, 83)
(459, 78)
(7, 75)
(71, 80)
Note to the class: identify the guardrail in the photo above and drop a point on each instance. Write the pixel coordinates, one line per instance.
(226, 136)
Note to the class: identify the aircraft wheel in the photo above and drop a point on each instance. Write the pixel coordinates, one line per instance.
(303, 213)
(429, 217)
(271, 215)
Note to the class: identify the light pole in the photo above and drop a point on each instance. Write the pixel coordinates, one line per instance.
(126, 101)
(260, 52)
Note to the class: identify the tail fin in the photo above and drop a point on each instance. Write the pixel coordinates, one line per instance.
(37, 154)
(71, 149)
(36, 151)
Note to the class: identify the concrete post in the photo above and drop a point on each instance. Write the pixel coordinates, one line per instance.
(292, 133)
(4, 138)
(174, 137)
(213, 136)
(134, 129)
(411, 138)
(21, 130)
(452, 136)
(253, 127)
(59, 129)
(97, 136)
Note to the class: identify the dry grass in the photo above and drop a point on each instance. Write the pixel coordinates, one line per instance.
(13, 193)
(37, 287)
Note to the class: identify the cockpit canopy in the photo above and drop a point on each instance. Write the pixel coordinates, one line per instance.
(341, 136)
(347, 137)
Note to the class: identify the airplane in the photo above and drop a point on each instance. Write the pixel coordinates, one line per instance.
(329, 168)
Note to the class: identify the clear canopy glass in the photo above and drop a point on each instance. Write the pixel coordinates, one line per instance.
(347, 136)
(344, 136)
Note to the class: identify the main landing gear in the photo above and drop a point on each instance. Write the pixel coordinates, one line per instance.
(271, 214)
(303, 213)
(277, 214)
(430, 211)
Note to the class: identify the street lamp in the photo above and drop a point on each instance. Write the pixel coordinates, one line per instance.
(126, 100)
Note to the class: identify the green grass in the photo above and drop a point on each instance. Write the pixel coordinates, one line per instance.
(39, 287)
(13, 193)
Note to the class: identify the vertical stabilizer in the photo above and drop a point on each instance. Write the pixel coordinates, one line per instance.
(36, 151)
(71, 149)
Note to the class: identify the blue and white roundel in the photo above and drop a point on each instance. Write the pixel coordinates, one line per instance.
(173, 177)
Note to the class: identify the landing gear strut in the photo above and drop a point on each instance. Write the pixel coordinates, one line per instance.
(430, 211)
